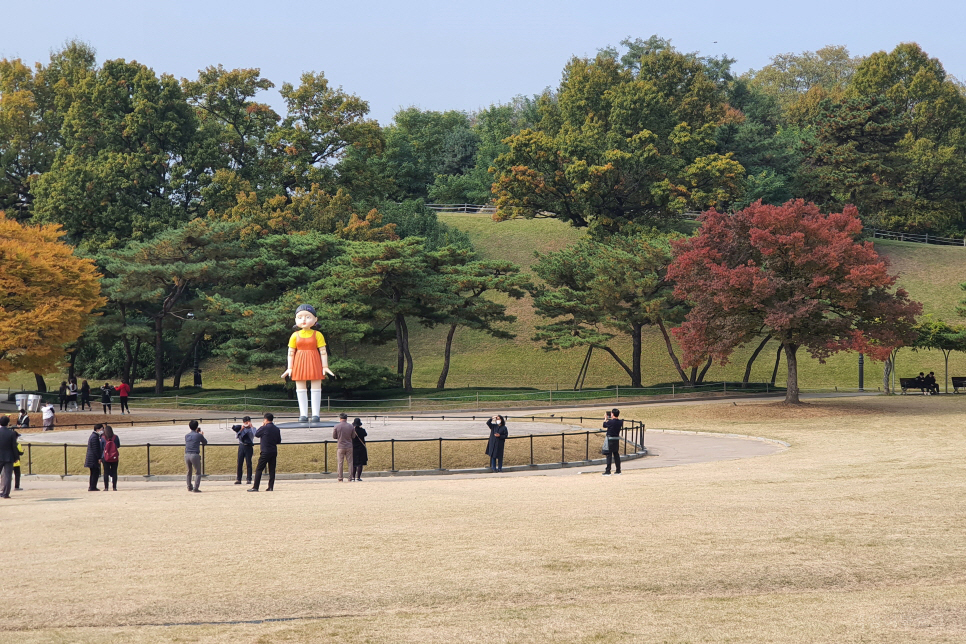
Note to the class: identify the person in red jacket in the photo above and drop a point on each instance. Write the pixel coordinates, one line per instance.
(123, 391)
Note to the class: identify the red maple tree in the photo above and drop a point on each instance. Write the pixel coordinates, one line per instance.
(795, 273)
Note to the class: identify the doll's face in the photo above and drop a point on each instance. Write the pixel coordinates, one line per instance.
(305, 320)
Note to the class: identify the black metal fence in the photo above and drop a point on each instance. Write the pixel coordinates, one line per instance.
(313, 457)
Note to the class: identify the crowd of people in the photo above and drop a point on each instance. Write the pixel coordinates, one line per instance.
(69, 393)
(103, 450)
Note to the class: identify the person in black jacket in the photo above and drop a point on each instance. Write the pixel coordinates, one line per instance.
(269, 438)
(245, 434)
(93, 458)
(494, 446)
(613, 425)
(360, 454)
(9, 454)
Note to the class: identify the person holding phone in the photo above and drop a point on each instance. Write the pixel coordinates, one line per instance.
(612, 440)
(494, 446)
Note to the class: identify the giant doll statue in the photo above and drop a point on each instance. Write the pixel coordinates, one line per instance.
(307, 362)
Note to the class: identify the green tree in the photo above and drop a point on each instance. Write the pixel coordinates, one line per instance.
(591, 290)
(798, 80)
(621, 144)
(235, 129)
(161, 277)
(384, 284)
(470, 280)
(321, 124)
(936, 334)
(125, 168)
(33, 102)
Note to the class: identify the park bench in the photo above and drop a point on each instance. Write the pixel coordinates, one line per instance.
(909, 383)
(958, 383)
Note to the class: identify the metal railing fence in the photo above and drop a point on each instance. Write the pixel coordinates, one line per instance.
(478, 400)
(385, 455)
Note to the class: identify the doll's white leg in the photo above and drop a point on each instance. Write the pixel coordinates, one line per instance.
(316, 399)
(301, 392)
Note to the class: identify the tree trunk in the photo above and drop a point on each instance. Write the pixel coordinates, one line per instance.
(778, 359)
(134, 364)
(946, 353)
(616, 357)
(402, 332)
(670, 351)
(400, 356)
(705, 370)
(128, 359)
(189, 355)
(886, 372)
(791, 387)
(441, 383)
(41, 383)
(751, 361)
(158, 355)
(693, 377)
(636, 355)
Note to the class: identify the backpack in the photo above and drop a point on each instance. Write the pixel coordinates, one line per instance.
(110, 452)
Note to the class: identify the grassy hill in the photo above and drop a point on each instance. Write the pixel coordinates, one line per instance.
(931, 274)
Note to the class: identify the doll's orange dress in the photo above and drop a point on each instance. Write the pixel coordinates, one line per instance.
(307, 364)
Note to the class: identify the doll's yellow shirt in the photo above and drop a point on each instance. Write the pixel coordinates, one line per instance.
(307, 333)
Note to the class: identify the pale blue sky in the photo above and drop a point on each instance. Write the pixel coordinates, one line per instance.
(451, 55)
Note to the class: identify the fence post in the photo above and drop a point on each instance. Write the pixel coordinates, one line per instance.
(410, 402)
(440, 452)
(328, 403)
(392, 448)
(551, 397)
(176, 401)
(587, 446)
(531, 449)
(725, 384)
(325, 458)
(618, 393)
(65, 459)
(203, 460)
(563, 458)
(30, 461)
(149, 459)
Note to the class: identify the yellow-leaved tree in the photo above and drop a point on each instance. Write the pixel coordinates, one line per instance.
(46, 296)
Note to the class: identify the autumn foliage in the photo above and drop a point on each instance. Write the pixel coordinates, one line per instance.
(46, 296)
(794, 273)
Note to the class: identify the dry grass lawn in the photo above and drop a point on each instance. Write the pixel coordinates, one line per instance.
(854, 534)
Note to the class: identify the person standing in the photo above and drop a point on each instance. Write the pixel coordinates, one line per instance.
(16, 464)
(72, 395)
(9, 454)
(246, 447)
(123, 391)
(85, 396)
(48, 417)
(269, 438)
(343, 432)
(360, 453)
(613, 425)
(62, 395)
(110, 446)
(193, 441)
(92, 460)
(494, 446)
(106, 392)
